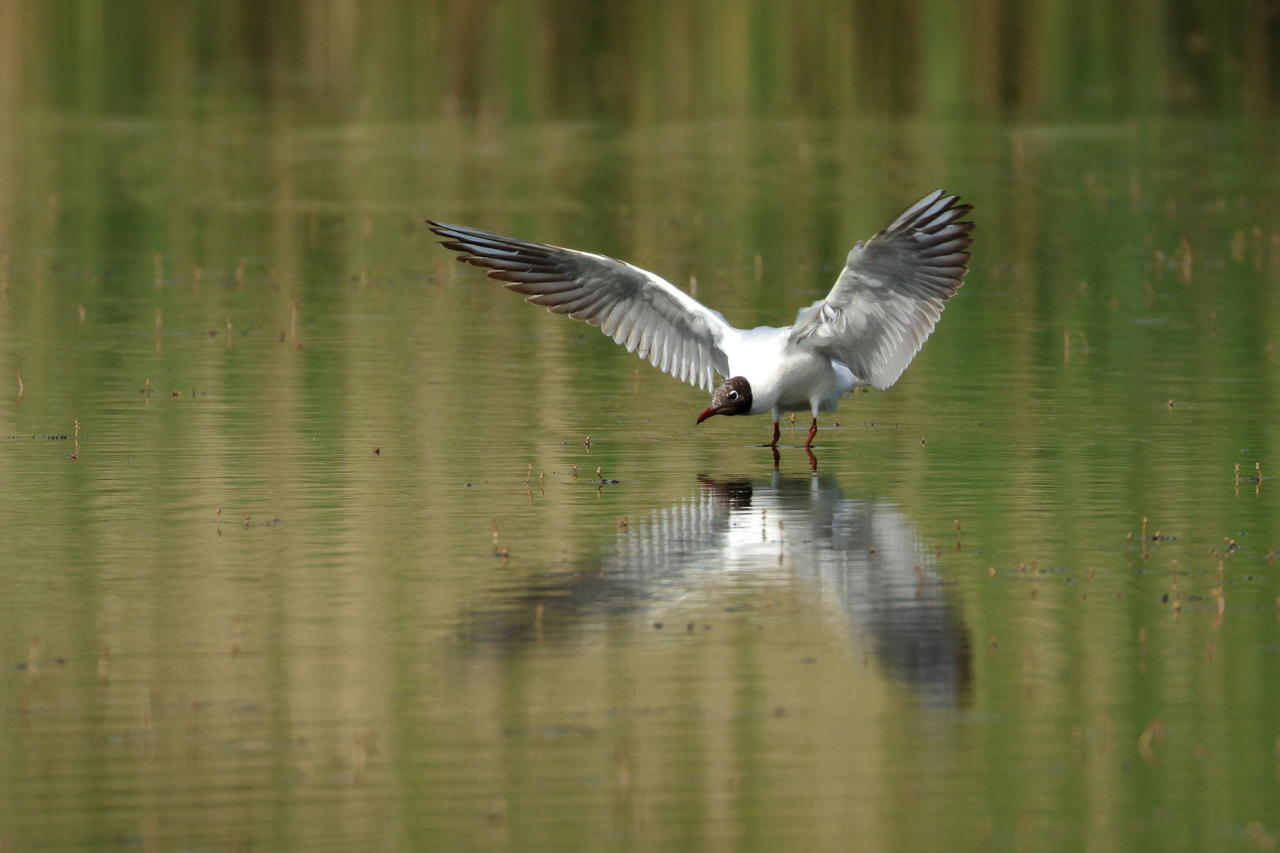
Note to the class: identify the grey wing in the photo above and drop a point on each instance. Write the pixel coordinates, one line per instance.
(642, 312)
(892, 291)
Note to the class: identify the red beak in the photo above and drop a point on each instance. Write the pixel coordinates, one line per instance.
(708, 413)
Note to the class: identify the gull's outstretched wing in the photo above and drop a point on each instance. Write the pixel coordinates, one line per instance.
(892, 291)
(646, 314)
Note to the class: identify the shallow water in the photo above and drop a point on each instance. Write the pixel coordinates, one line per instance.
(312, 538)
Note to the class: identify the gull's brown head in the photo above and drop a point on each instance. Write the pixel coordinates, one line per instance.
(733, 397)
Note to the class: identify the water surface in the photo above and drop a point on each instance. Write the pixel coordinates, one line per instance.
(312, 538)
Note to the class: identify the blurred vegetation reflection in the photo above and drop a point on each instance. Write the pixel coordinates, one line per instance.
(644, 62)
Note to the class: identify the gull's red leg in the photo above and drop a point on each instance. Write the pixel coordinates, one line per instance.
(813, 430)
(776, 432)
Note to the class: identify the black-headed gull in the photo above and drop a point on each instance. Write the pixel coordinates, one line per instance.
(883, 306)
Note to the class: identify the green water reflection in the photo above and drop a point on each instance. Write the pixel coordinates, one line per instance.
(303, 542)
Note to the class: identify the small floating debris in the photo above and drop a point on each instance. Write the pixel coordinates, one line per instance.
(1155, 732)
(502, 552)
(34, 665)
(248, 522)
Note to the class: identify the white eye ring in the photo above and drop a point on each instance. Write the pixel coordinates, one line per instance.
(733, 395)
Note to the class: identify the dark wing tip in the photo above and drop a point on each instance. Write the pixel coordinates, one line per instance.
(508, 259)
(456, 237)
(463, 234)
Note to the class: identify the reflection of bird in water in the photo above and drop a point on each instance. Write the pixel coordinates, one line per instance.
(863, 556)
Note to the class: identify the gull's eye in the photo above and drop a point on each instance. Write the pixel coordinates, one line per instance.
(733, 395)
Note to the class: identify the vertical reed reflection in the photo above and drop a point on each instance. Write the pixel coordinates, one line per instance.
(672, 60)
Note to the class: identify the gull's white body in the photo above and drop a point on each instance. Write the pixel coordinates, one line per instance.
(878, 314)
(784, 377)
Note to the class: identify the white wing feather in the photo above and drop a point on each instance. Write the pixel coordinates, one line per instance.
(639, 310)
